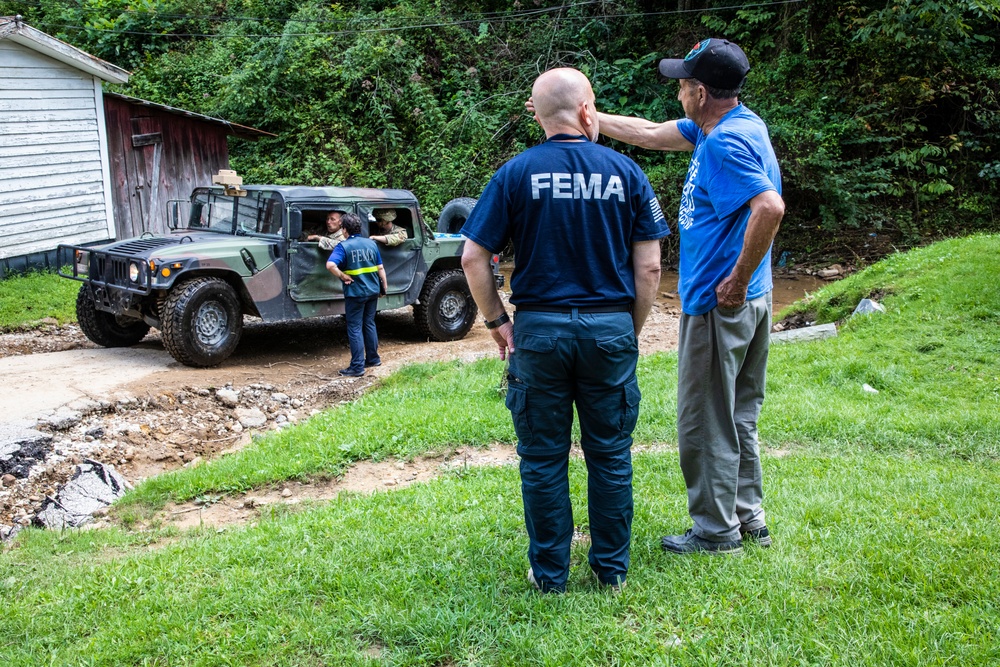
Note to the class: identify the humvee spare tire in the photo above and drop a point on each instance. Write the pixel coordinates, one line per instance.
(454, 214)
(201, 320)
(446, 310)
(106, 329)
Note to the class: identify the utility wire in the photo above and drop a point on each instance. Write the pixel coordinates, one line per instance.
(524, 17)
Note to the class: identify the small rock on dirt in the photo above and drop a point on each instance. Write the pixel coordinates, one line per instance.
(831, 272)
(228, 397)
(251, 417)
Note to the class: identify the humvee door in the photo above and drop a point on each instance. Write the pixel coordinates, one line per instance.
(400, 262)
(308, 278)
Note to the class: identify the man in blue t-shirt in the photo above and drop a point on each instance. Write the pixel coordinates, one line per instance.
(585, 226)
(730, 210)
(358, 264)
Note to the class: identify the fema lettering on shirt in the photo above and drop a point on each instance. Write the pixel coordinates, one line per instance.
(362, 255)
(557, 185)
(685, 215)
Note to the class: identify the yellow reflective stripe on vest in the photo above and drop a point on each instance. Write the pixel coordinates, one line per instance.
(364, 269)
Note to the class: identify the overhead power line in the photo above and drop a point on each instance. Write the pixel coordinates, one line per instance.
(509, 17)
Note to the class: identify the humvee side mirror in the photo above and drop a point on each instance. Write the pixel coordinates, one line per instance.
(174, 213)
(294, 223)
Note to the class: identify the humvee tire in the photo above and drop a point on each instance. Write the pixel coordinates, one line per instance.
(106, 329)
(454, 214)
(202, 321)
(446, 310)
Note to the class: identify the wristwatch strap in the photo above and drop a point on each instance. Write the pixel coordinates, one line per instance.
(493, 324)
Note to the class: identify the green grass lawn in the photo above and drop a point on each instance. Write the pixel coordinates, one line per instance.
(26, 299)
(883, 506)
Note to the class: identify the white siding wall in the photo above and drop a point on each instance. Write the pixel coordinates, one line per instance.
(53, 180)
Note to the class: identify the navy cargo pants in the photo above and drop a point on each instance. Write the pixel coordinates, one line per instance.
(588, 359)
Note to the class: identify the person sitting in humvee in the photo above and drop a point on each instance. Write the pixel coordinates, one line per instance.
(334, 234)
(384, 230)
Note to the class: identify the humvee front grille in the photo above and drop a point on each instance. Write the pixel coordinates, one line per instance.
(107, 270)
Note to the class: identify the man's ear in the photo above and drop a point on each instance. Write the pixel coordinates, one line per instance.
(587, 114)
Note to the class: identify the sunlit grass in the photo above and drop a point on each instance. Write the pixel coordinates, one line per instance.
(877, 560)
(27, 299)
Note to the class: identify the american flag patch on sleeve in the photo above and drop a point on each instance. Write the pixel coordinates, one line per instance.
(654, 207)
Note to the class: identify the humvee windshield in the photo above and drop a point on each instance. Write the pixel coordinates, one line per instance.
(259, 212)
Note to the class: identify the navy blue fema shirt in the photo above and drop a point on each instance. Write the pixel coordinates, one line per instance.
(573, 209)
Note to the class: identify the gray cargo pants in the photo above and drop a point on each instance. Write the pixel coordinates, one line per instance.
(722, 360)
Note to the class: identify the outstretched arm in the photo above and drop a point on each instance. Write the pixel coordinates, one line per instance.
(637, 131)
(643, 133)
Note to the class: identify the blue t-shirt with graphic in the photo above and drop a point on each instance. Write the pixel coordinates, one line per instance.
(730, 166)
(573, 209)
(359, 258)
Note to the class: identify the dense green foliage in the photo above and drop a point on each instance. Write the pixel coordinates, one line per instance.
(932, 357)
(885, 115)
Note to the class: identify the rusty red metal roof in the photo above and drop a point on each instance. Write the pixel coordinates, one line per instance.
(235, 129)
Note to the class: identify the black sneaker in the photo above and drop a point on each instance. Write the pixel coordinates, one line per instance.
(349, 373)
(689, 543)
(372, 364)
(759, 536)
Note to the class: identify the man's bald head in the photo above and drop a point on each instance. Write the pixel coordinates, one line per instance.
(564, 102)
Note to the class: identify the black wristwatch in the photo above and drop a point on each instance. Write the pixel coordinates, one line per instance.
(500, 321)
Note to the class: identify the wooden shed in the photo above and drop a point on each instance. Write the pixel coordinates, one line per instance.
(55, 177)
(81, 166)
(159, 153)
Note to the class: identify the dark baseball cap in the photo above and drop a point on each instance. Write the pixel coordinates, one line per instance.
(717, 63)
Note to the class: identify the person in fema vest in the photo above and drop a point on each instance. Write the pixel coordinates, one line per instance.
(357, 263)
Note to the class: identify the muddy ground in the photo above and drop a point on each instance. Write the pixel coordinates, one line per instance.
(176, 416)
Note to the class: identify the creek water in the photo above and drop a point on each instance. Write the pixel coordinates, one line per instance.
(788, 288)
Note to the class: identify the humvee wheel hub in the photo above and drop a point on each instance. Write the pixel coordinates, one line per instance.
(211, 323)
(452, 306)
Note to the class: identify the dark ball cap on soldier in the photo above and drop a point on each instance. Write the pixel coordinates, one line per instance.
(717, 63)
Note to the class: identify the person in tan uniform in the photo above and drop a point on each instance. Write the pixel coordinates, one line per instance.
(385, 231)
(334, 234)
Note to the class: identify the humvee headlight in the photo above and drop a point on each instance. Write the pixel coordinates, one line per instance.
(165, 272)
(133, 272)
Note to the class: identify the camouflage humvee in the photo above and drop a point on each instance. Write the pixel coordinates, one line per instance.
(241, 252)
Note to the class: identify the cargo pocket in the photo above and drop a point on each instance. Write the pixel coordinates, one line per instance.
(534, 343)
(630, 415)
(517, 403)
(624, 343)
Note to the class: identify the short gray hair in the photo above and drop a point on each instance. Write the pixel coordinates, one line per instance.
(722, 93)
